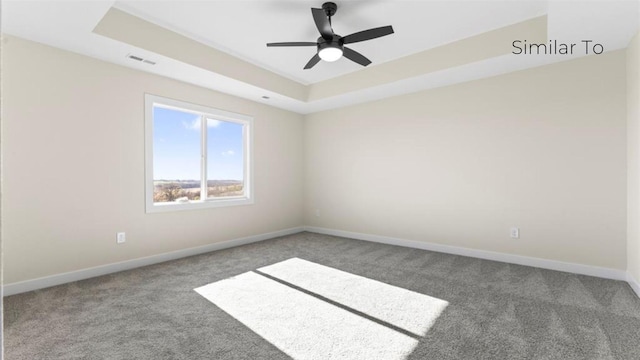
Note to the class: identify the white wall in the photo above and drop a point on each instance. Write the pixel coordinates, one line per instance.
(73, 167)
(633, 158)
(543, 149)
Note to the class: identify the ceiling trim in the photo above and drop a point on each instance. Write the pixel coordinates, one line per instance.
(121, 26)
(124, 27)
(466, 51)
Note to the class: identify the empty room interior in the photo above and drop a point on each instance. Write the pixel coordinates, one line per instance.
(320, 180)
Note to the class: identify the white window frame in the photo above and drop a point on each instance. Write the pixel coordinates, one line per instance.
(205, 113)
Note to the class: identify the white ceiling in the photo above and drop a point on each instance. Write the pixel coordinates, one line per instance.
(242, 28)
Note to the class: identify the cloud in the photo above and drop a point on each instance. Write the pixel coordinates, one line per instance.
(195, 123)
(228, 153)
(213, 123)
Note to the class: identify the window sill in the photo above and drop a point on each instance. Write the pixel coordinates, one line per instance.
(195, 205)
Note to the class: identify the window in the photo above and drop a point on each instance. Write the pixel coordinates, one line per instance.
(196, 157)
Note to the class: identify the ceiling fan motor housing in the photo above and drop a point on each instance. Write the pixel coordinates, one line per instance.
(335, 42)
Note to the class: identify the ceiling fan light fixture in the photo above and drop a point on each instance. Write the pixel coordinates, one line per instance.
(330, 53)
(331, 45)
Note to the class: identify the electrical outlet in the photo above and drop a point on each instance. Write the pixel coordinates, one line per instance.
(515, 233)
(317, 212)
(120, 238)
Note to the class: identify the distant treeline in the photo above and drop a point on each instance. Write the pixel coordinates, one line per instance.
(189, 184)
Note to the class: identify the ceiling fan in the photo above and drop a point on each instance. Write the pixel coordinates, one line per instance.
(330, 46)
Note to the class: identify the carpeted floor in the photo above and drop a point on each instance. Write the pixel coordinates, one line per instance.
(495, 310)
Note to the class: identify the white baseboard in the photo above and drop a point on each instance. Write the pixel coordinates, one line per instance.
(596, 271)
(635, 284)
(48, 281)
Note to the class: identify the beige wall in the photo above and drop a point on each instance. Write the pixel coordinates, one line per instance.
(542, 149)
(73, 167)
(633, 157)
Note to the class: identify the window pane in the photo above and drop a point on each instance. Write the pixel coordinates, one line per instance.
(176, 155)
(225, 158)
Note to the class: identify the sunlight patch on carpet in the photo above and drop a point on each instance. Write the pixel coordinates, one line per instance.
(403, 308)
(312, 311)
(302, 326)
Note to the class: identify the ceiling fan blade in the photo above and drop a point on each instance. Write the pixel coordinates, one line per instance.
(293, 44)
(322, 23)
(314, 60)
(355, 56)
(368, 34)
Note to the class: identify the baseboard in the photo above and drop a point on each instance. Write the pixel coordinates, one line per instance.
(596, 271)
(48, 281)
(634, 283)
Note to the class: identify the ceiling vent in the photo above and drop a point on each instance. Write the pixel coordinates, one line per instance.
(141, 59)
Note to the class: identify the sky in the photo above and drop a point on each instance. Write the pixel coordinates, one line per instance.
(176, 147)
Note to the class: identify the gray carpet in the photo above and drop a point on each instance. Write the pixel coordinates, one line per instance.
(495, 311)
